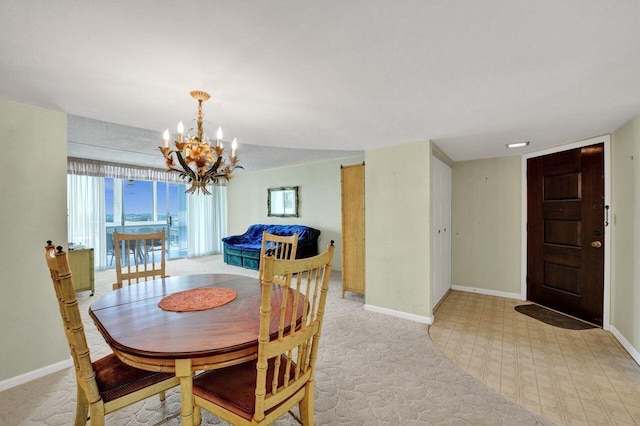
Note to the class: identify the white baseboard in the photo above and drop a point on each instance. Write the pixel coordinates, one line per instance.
(625, 344)
(399, 314)
(35, 374)
(487, 292)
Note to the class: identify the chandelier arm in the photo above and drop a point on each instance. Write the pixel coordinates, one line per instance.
(213, 169)
(186, 168)
(180, 172)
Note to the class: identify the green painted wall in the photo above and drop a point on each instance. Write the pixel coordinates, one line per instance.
(398, 226)
(486, 217)
(625, 241)
(33, 209)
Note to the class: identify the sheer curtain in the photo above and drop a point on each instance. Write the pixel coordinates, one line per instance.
(207, 221)
(86, 214)
(206, 214)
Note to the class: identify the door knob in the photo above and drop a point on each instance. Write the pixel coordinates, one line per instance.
(596, 244)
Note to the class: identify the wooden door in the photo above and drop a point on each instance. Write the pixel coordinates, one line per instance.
(565, 231)
(353, 231)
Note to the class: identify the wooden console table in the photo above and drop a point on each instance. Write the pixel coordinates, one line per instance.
(81, 265)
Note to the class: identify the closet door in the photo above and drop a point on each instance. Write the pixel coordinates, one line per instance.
(353, 232)
(441, 210)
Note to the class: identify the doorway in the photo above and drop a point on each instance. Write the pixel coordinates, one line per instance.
(565, 242)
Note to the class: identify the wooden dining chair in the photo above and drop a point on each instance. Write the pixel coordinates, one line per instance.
(139, 257)
(282, 247)
(105, 385)
(259, 392)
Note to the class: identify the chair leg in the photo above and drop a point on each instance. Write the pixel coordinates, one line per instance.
(306, 405)
(97, 414)
(82, 408)
(197, 416)
(162, 395)
(117, 286)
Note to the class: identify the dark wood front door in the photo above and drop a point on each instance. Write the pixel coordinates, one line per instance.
(565, 231)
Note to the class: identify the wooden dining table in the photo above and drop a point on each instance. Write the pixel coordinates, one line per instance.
(146, 336)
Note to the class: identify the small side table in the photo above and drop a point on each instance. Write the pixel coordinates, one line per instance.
(81, 265)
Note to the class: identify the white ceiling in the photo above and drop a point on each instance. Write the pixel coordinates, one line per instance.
(331, 75)
(101, 140)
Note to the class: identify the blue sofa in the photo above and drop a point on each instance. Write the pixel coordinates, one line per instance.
(244, 250)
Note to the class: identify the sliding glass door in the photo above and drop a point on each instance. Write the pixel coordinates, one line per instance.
(172, 201)
(139, 206)
(98, 206)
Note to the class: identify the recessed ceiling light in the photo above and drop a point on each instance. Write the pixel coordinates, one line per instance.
(517, 144)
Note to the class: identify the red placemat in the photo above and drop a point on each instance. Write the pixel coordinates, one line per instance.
(197, 299)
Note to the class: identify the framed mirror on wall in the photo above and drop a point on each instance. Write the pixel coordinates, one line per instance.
(283, 201)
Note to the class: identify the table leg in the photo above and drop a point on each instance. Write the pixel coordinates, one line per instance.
(183, 372)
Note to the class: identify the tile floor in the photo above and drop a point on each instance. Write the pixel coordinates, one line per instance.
(569, 377)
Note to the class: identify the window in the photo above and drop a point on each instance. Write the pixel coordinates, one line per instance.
(193, 226)
(111, 215)
(137, 201)
(141, 206)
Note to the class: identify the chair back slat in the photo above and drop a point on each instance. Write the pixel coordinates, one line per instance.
(139, 257)
(283, 247)
(291, 350)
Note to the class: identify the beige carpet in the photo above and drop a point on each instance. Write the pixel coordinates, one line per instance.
(372, 370)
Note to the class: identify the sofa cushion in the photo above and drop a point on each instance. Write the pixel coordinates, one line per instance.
(251, 254)
(233, 259)
(306, 235)
(232, 250)
(250, 263)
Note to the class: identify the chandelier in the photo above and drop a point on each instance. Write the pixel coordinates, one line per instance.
(198, 161)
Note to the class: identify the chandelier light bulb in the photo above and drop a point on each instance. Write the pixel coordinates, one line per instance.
(165, 136)
(219, 137)
(234, 145)
(180, 131)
